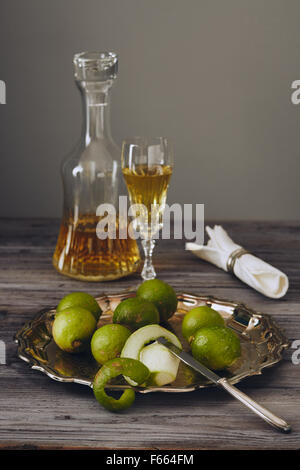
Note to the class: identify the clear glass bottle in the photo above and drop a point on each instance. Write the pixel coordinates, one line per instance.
(92, 176)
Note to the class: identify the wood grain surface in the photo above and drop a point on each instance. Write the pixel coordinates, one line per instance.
(36, 412)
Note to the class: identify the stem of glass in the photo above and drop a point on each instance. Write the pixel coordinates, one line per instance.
(148, 271)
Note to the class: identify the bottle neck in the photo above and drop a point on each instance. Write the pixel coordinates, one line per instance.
(96, 112)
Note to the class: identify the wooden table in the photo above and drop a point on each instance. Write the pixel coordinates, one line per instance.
(38, 412)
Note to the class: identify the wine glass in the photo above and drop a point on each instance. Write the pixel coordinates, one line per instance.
(147, 166)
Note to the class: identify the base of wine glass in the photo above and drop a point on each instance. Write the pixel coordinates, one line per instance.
(148, 271)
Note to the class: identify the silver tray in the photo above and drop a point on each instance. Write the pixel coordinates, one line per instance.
(262, 344)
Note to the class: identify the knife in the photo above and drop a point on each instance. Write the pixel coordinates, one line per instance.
(265, 414)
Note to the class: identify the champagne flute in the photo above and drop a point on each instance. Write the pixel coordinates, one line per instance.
(147, 166)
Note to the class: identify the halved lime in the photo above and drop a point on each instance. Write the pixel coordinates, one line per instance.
(141, 338)
(162, 364)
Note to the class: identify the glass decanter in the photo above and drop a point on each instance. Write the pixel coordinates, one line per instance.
(92, 176)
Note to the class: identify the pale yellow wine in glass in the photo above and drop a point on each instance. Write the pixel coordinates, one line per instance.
(147, 166)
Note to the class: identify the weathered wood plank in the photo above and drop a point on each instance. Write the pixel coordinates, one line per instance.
(38, 412)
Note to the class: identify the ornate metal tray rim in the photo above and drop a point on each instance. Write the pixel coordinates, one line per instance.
(23, 345)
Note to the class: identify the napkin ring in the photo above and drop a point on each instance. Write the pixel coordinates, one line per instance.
(233, 257)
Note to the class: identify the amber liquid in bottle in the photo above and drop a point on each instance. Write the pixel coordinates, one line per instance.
(81, 254)
(148, 185)
(91, 174)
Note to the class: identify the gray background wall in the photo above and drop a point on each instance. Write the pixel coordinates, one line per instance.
(213, 75)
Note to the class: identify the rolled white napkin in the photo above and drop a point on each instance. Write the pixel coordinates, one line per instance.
(258, 274)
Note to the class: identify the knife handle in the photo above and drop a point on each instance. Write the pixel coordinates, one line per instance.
(265, 414)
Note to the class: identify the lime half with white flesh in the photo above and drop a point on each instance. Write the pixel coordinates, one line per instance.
(162, 364)
(158, 360)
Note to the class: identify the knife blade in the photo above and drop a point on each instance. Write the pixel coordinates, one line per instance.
(258, 409)
(189, 360)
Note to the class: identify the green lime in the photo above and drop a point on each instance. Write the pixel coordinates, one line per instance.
(216, 347)
(161, 295)
(80, 299)
(197, 318)
(132, 368)
(73, 328)
(108, 341)
(135, 313)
